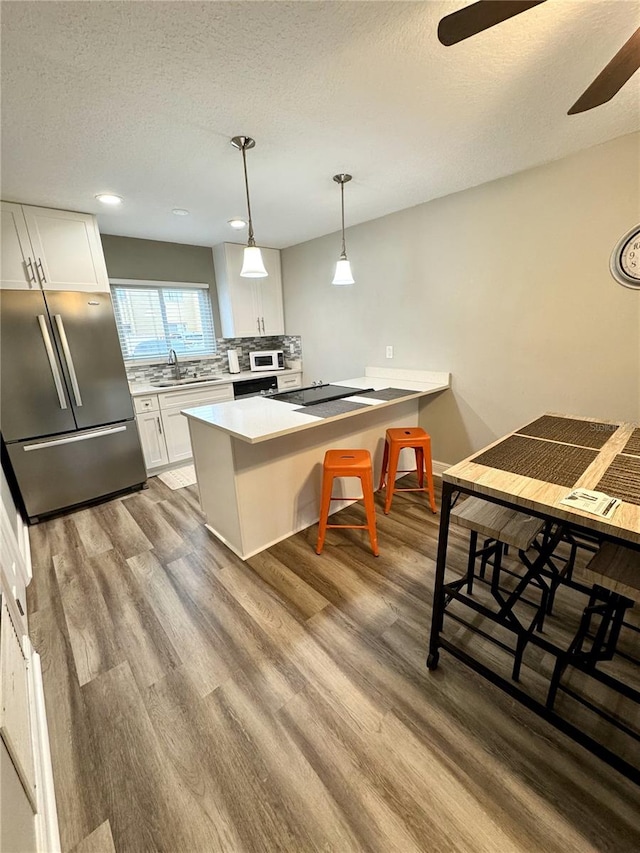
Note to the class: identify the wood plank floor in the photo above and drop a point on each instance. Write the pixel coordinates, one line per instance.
(199, 703)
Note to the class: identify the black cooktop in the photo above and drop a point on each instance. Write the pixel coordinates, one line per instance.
(317, 394)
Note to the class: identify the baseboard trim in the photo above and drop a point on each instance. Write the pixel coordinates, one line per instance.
(439, 467)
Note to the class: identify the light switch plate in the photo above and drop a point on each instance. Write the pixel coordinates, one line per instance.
(389, 352)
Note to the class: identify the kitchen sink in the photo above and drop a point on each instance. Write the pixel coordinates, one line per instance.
(171, 383)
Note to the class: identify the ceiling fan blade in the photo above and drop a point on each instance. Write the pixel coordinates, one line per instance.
(612, 77)
(478, 17)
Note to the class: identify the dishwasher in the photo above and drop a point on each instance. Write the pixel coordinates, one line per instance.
(261, 386)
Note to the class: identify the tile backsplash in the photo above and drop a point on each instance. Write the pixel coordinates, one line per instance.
(217, 364)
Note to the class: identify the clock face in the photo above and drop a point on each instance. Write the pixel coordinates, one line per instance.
(630, 257)
(625, 259)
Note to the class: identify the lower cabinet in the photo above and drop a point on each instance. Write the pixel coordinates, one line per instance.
(289, 381)
(176, 434)
(152, 440)
(164, 432)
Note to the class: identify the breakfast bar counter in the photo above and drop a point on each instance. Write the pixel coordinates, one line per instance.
(259, 460)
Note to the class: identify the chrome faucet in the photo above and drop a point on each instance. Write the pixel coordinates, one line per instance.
(173, 361)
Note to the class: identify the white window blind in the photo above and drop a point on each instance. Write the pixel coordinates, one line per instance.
(155, 317)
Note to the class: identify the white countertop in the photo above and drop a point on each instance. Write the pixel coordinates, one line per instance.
(256, 419)
(223, 379)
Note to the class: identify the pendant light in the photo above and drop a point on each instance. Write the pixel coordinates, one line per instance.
(343, 267)
(252, 263)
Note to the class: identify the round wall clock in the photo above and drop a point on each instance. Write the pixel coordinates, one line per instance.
(625, 259)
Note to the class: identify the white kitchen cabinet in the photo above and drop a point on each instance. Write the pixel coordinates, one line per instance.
(17, 264)
(176, 434)
(289, 381)
(164, 432)
(176, 426)
(51, 249)
(154, 448)
(249, 307)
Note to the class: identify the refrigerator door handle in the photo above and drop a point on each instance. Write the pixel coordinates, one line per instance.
(53, 364)
(85, 437)
(68, 358)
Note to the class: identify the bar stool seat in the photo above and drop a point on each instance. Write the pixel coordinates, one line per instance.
(397, 439)
(502, 527)
(497, 522)
(347, 463)
(615, 567)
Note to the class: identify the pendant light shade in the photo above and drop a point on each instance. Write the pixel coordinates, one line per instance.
(343, 274)
(252, 263)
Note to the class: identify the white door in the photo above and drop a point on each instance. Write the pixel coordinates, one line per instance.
(176, 430)
(67, 249)
(17, 821)
(154, 448)
(17, 265)
(246, 314)
(270, 294)
(15, 721)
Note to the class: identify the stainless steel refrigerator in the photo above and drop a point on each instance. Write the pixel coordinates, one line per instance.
(66, 415)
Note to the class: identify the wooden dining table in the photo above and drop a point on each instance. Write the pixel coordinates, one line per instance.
(532, 470)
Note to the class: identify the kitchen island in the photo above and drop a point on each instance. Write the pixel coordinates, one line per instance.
(259, 460)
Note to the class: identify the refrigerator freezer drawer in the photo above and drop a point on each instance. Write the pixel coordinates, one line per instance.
(74, 468)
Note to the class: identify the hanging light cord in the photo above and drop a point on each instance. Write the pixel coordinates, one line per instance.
(251, 241)
(343, 255)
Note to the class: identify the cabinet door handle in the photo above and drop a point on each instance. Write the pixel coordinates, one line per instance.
(40, 270)
(263, 326)
(30, 271)
(19, 606)
(159, 425)
(258, 322)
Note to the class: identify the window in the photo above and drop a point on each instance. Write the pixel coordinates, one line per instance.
(154, 317)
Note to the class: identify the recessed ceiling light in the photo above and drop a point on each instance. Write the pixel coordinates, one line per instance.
(237, 223)
(180, 211)
(109, 198)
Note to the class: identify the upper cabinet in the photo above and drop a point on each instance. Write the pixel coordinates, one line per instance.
(249, 307)
(50, 249)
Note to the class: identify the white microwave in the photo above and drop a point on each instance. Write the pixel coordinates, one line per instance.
(266, 359)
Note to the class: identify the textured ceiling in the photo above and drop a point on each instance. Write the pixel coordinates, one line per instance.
(141, 98)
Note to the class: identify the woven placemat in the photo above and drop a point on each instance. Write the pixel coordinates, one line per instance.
(561, 464)
(570, 430)
(622, 479)
(331, 408)
(632, 447)
(386, 393)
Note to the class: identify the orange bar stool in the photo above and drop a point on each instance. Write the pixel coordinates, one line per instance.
(396, 440)
(347, 463)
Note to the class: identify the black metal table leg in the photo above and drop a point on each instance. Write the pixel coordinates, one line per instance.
(438, 596)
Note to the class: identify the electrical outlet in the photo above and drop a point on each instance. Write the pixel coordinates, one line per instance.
(292, 349)
(389, 352)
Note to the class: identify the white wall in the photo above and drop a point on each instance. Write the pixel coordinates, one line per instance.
(506, 285)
